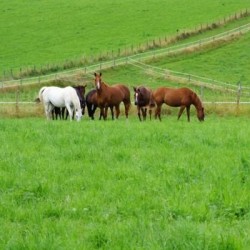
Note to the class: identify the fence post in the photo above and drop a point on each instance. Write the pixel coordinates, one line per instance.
(238, 94)
(17, 100)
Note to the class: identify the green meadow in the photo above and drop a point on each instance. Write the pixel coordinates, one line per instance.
(38, 33)
(125, 184)
(225, 62)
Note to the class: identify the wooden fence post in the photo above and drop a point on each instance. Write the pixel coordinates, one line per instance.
(238, 94)
(17, 101)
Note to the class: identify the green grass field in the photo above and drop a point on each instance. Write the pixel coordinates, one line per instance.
(40, 33)
(227, 63)
(125, 184)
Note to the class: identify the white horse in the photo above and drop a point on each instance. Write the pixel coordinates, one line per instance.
(60, 97)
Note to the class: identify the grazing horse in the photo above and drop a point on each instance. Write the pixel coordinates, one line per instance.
(60, 97)
(143, 99)
(111, 96)
(181, 97)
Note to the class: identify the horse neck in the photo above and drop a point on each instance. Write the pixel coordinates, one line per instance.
(79, 94)
(103, 87)
(197, 102)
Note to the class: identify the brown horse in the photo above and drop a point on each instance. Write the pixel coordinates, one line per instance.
(111, 96)
(181, 97)
(91, 103)
(143, 100)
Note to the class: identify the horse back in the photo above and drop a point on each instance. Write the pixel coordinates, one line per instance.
(120, 91)
(91, 97)
(175, 97)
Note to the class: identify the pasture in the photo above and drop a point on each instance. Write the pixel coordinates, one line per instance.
(36, 34)
(125, 184)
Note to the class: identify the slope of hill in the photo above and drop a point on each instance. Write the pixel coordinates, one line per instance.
(40, 33)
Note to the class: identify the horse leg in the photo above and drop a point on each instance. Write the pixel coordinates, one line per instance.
(53, 114)
(117, 109)
(144, 113)
(127, 106)
(112, 112)
(70, 113)
(139, 112)
(188, 113)
(150, 113)
(60, 113)
(181, 111)
(158, 111)
(105, 115)
(91, 110)
(48, 110)
(101, 113)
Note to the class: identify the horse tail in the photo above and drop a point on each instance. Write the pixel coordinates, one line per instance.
(40, 97)
(126, 94)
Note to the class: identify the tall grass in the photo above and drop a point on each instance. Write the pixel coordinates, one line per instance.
(125, 184)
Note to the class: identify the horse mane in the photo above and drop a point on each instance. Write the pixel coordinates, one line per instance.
(197, 101)
(105, 84)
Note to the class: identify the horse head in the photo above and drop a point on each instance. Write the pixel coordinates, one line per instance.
(136, 94)
(201, 114)
(141, 96)
(78, 115)
(98, 80)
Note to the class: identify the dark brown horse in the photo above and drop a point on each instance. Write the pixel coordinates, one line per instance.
(111, 96)
(91, 103)
(143, 100)
(181, 97)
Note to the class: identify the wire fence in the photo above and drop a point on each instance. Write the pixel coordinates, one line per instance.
(234, 94)
(124, 60)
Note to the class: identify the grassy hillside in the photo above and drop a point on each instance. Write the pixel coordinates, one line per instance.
(40, 33)
(228, 62)
(125, 184)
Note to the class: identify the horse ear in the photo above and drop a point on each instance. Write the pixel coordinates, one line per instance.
(95, 74)
(100, 74)
(134, 89)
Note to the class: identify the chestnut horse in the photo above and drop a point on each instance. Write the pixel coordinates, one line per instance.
(143, 100)
(111, 96)
(181, 97)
